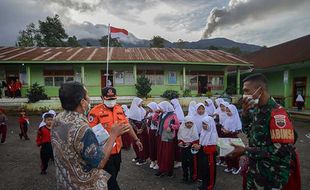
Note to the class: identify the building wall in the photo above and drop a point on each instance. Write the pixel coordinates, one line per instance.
(92, 78)
(277, 87)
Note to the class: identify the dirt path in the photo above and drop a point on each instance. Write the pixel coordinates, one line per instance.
(20, 166)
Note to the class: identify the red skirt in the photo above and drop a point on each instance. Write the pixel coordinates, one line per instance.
(166, 155)
(177, 152)
(127, 141)
(153, 145)
(144, 138)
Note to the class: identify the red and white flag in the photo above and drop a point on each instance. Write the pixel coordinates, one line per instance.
(118, 33)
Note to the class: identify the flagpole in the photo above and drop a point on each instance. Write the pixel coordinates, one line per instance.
(108, 52)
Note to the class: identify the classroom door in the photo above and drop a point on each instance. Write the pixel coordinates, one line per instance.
(202, 84)
(299, 87)
(104, 78)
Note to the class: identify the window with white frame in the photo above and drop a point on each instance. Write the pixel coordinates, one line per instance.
(56, 77)
(123, 77)
(156, 77)
(217, 82)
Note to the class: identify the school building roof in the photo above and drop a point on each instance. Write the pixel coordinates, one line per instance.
(294, 51)
(118, 54)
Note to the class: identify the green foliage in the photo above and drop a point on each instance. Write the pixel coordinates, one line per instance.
(170, 94)
(29, 37)
(73, 42)
(36, 93)
(187, 93)
(50, 33)
(143, 86)
(213, 48)
(113, 42)
(180, 44)
(157, 42)
(53, 33)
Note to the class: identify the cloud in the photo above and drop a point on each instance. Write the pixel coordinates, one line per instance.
(189, 16)
(124, 9)
(14, 16)
(240, 11)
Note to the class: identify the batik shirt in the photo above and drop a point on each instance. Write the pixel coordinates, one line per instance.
(77, 153)
(269, 163)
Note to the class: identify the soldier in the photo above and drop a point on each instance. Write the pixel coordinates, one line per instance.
(272, 160)
(108, 113)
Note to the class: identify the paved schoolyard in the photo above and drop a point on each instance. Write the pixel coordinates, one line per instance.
(20, 166)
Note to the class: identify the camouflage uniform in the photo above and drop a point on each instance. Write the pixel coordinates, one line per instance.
(269, 163)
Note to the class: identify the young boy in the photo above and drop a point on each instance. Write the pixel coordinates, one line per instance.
(187, 136)
(44, 141)
(23, 125)
(3, 125)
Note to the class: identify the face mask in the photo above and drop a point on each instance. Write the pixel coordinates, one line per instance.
(87, 109)
(250, 97)
(109, 103)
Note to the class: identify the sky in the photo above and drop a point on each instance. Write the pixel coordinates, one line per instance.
(260, 22)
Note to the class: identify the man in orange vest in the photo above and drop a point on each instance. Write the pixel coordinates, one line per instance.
(108, 113)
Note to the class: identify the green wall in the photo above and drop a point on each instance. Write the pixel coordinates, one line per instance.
(277, 87)
(92, 78)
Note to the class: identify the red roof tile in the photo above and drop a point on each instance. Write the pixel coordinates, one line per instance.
(294, 51)
(118, 54)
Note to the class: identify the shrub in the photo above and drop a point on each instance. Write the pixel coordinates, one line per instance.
(170, 94)
(187, 93)
(143, 86)
(36, 93)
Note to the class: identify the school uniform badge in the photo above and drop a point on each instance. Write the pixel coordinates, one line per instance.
(280, 121)
(281, 127)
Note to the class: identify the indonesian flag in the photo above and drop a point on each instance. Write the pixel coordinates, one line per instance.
(118, 33)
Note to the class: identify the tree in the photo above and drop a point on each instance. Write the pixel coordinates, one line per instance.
(29, 37)
(113, 42)
(36, 93)
(213, 48)
(180, 44)
(53, 33)
(157, 42)
(50, 33)
(143, 86)
(73, 42)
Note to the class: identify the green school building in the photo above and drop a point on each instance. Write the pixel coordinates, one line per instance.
(287, 67)
(167, 68)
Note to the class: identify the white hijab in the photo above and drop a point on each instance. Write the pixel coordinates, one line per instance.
(223, 114)
(166, 107)
(135, 112)
(43, 115)
(233, 123)
(191, 108)
(178, 109)
(210, 108)
(218, 101)
(209, 136)
(299, 98)
(198, 118)
(125, 109)
(154, 107)
(188, 135)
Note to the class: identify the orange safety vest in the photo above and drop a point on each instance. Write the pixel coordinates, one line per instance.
(107, 117)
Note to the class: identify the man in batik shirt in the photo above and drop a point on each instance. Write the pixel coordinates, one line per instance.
(79, 159)
(272, 161)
